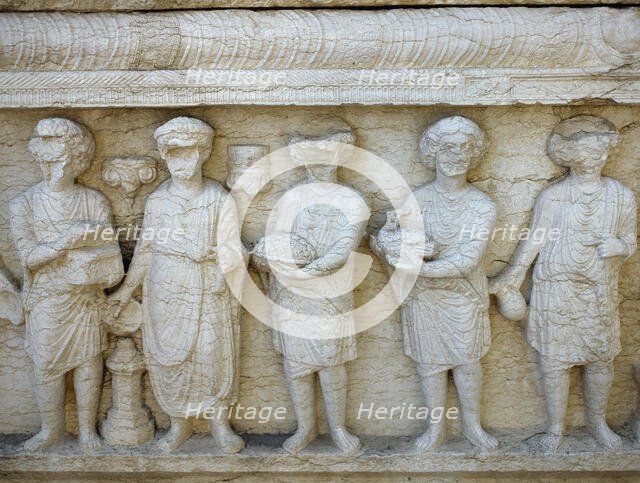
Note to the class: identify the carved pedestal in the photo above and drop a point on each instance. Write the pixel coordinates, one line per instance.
(128, 422)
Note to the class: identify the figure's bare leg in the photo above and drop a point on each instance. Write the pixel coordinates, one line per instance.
(303, 394)
(50, 398)
(333, 381)
(87, 382)
(434, 388)
(223, 434)
(555, 383)
(468, 379)
(178, 433)
(597, 379)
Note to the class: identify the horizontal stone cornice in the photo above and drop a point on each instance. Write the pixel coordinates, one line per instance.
(499, 55)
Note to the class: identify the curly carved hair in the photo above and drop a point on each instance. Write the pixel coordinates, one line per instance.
(77, 137)
(452, 125)
(560, 144)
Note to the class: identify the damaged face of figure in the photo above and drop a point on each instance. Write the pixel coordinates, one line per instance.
(455, 154)
(184, 162)
(53, 156)
(590, 152)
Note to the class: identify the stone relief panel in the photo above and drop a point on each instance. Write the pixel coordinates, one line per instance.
(432, 268)
(503, 187)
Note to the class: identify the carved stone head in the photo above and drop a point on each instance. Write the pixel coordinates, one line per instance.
(453, 145)
(333, 148)
(185, 144)
(63, 148)
(583, 142)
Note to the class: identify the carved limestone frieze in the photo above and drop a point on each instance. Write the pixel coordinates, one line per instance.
(460, 56)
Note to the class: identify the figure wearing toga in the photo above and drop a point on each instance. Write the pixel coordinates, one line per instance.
(190, 329)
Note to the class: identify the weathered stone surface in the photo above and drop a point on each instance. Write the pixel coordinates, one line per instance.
(390, 457)
(130, 5)
(400, 56)
(512, 172)
(519, 73)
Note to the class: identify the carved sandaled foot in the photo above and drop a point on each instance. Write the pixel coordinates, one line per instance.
(226, 439)
(549, 443)
(477, 436)
(605, 436)
(43, 440)
(346, 441)
(90, 441)
(175, 437)
(431, 439)
(299, 441)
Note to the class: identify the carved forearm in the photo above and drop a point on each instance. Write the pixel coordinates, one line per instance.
(336, 256)
(466, 258)
(43, 254)
(443, 268)
(630, 245)
(522, 259)
(138, 268)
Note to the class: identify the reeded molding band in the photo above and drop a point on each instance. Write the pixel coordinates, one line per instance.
(501, 55)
